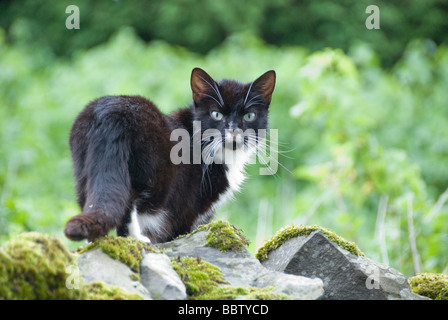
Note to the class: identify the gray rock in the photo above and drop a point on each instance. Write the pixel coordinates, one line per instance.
(241, 269)
(344, 275)
(303, 268)
(95, 265)
(296, 287)
(157, 275)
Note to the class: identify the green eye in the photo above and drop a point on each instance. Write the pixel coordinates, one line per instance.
(216, 115)
(249, 116)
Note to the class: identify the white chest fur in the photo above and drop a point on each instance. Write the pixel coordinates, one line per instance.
(235, 177)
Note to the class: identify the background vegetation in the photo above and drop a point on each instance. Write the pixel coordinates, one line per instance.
(362, 115)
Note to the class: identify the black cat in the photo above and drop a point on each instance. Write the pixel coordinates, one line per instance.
(122, 150)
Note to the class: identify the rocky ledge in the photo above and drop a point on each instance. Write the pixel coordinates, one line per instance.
(302, 263)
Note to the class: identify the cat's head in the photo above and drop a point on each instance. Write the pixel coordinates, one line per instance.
(238, 111)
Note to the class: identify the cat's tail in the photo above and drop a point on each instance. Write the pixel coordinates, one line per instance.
(101, 163)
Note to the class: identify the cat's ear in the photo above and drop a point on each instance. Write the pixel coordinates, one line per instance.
(265, 85)
(201, 84)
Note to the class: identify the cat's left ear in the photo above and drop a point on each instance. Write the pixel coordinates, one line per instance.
(265, 85)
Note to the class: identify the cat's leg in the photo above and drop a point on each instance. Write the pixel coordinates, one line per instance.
(134, 229)
(122, 229)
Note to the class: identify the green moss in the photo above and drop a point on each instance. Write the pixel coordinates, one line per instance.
(127, 250)
(293, 231)
(251, 293)
(264, 294)
(134, 276)
(204, 281)
(101, 291)
(223, 293)
(33, 266)
(224, 236)
(198, 275)
(431, 285)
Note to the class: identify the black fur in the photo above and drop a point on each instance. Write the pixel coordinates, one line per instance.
(121, 147)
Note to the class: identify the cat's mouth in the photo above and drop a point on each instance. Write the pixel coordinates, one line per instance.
(233, 145)
(234, 140)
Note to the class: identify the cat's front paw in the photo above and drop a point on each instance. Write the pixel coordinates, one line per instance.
(142, 238)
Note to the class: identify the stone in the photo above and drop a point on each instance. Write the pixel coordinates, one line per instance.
(345, 276)
(95, 265)
(296, 287)
(299, 262)
(241, 269)
(157, 275)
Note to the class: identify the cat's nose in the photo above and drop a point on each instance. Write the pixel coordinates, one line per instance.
(234, 135)
(232, 125)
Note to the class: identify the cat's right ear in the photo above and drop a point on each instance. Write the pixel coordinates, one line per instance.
(265, 85)
(201, 84)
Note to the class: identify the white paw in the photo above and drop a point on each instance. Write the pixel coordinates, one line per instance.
(142, 238)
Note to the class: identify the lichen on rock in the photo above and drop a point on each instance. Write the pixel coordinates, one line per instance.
(431, 285)
(293, 231)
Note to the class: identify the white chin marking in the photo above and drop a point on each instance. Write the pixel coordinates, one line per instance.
(235, 167)
(235, 173)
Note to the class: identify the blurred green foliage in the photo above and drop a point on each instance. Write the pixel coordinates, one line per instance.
(200, 25)
(363, 149)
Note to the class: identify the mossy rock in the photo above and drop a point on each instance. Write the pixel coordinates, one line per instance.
(224, 236)
(34, 266)
(198, 275)
(293, 231)
(204, 281)
(125, 249)
(250, 293)
(101, 291)
(431, 285)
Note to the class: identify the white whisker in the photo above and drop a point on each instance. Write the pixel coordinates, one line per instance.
(208, 154)
(255, 147)
(215, 88)
(219, 94)
(213, 99)
(247, 95)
